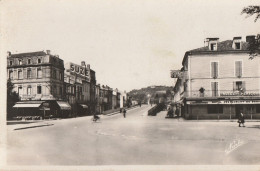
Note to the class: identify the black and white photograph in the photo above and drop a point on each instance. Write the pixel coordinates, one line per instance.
(129, 85)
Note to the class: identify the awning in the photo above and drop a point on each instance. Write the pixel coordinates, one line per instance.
(84, 106)
(27, 105)
(64, 105)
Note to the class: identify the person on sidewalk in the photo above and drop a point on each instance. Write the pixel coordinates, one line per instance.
(124, 112)
(241, 119)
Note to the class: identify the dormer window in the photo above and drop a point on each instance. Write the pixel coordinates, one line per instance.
(39, 60)
(237, 45)
(20, 62)
(213, 46)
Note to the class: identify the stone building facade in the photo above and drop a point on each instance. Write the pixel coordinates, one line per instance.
(38, 78)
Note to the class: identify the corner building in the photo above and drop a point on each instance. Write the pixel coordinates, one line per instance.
(219, 81)
(38, 78)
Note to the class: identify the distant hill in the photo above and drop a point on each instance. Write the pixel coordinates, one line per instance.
(152, 91)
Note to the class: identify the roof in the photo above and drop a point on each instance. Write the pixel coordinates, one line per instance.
(28, 54)
(161, 92)
(222, 47)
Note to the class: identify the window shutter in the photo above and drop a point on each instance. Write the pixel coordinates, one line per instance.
(237, 68)
(216, 69)
(240, 68)
(234, 86)
(212, 69)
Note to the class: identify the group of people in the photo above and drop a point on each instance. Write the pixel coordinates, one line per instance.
(172, 110)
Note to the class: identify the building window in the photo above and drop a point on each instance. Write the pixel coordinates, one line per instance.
(60, 76)
(215, 109)
(60, 90)
(213, 46)
(29, 73)
(39, 89)
(39, 73)
(54, 73)
(238, 68)
(54, 89)
(239, 86)
(20, 62)
(11, 74)
(29, 90)
(237, 45)
(20, 74)
(20, 90)
(214, 69)
(214, 88)
(29, 61)
(11, 63)
(39, 60)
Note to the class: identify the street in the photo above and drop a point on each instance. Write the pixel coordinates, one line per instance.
(137, 139)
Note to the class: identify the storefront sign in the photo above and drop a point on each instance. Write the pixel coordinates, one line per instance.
(239, 94)
(240, 102)
(176, 74)
(84, 71)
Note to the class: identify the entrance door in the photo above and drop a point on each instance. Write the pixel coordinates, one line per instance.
(239, 108)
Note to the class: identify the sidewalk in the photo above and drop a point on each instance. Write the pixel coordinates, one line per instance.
(19, 125)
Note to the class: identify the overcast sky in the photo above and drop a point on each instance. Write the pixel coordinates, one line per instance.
(129, 43)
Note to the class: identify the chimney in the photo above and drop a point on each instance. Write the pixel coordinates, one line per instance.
(83, 63)
(250, 38)
(8, 54)
(48, 52)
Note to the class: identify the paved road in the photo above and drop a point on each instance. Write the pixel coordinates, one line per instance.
(137, 139)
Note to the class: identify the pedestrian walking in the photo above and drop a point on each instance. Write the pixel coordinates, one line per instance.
(124, 112)
(241, 120)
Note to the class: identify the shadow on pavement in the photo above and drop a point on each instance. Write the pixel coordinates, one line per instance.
(254, 126)
(19, 122)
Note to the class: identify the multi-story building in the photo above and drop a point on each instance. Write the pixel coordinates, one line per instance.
(219, 81)
(78, 87)
(38, 79)
(98, 99)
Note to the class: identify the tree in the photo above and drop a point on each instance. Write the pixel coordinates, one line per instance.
(12, 98)
(254, 45)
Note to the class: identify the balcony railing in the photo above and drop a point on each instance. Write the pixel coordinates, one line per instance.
(221, 93)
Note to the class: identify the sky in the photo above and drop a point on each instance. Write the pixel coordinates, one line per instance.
(130, 44)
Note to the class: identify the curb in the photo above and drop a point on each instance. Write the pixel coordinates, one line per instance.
(36, 126)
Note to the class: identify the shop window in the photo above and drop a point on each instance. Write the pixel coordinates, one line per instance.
(214, 69)
(257, 108)
(39, 89)
(215, 109)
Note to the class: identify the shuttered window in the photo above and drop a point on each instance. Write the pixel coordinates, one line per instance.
(214, 69)
(238, 68)
(214, 88)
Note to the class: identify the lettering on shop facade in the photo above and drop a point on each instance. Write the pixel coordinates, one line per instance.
(239, 94)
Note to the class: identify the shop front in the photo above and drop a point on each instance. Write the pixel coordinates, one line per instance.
(222, 108)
